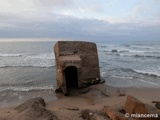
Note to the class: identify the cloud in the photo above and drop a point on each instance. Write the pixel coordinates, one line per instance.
(138, 9)
(54, 3)
(78, 28)
(72, 19)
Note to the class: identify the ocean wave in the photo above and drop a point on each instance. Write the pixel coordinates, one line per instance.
(126, 70)
(151, 74)
(146, 56)
(42, 56)
(139, 46)
(134, 72)
(34, 66)
(25, 89)
(137, 51)
(140, 72)
(137, 56)
(148, 82)
(10, 55)
(118, 51)
(129, 51)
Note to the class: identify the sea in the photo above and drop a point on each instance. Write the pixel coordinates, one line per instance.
(27, 67)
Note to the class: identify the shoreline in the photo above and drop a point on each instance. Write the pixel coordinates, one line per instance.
(94, 97)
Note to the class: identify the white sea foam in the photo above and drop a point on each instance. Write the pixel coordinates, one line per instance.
(137, 51)
(142, 46)
(42, 56)
(38, 66)
(10, 55)
(25, 89)
(38, 60)
(149, 83)
(149, 73)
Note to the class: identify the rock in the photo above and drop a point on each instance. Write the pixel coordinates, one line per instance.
(155, 102)
(36, 112)
(102, 80)
(85, 114)
(95, 81)
(113, 114)
(157, 105)
(29, 103)
(93, 115)
(120, 92)
(105, 93)
(114, 50)
(71, 108)
(133, 106)
(33, 109)
(83, 91)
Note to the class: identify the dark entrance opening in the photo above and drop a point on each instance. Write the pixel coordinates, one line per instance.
(71, 77)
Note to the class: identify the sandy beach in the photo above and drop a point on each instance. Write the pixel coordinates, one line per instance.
(94, 97)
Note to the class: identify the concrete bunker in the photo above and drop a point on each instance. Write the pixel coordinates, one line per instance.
(76, 64)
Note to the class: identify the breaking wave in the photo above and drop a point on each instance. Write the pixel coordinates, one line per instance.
(146, 56)
(139, 46)
(10, 55)
(133, 72)
(151, 74)
(134, 55)
(25, 89)
(44, 60)
(34, 66)
(140, 72)
(43, 56)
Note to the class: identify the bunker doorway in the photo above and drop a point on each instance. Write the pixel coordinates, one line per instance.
(71, 77)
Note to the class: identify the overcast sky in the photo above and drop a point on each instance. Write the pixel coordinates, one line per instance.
(80, 19)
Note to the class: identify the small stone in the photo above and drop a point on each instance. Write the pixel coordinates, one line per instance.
(155, 102)
(90, 114)
(93, 115)
(83, 91)
(71, 108)
(120, 93)
(113, 114)
(104, 94)
(102, 81)
(96, 116)
(157, 105)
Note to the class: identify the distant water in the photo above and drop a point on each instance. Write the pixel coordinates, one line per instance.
(27, 69)
(135, 64)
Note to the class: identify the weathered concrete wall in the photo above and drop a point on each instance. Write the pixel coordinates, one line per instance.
(82, 55)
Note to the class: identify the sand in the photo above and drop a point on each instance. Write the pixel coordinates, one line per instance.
(95, 97)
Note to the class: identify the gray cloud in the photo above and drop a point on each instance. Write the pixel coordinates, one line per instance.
(75, 28)
(43, 21)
